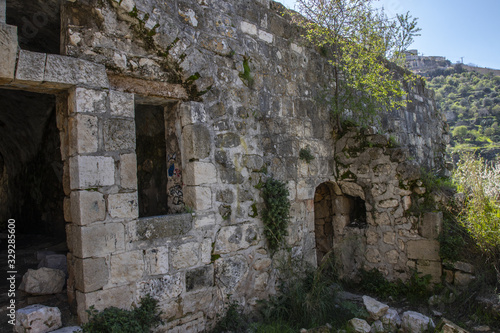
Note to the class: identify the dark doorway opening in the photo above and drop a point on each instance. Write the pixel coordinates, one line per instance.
(323, 221)
(38, 24)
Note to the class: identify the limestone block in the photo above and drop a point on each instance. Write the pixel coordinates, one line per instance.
(156, 227)
(185, 255)
(304, 191)
(67, 209)
(375, 308)
(37, 318)
(262, 264)
(253, 162)
(463, 266)
(84, 134)
(261, 281)
(123, 205)
(198, 197)
(121, 297)
(447, 326)
(359, 325)
(248, 28)
(197, 142)
(92, 74)
(390, 203)
(156, 260)
(91, 171)
(206, 251)
(463, 279)
(30, 66)
(97, 240)
(236, 237)
(230, 271)
(423, 249)
(164, 288)
(373, 255)
(119, 134)
(198, 173)
(352, 189)
(377, 327)
(82, 100)
(200, 278)
(121, 104)
(202, 221)
(266, 36)
(431, 225)
(296, 48)
(390, 237)
(87, 207)
(43, 281)
(194, 302)
(392, 256)
(391, 319)
(432, 268)
(414, 322)
(126, 267)
(192, 112)
(92, 274)
(61, 70)
(8, 52)
(128, 171)
(341, 205)
(372, 237)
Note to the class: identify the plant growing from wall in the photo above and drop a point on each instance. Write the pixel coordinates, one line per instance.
(357, 39)
(275, 214)
(114, 320)
(306, 155)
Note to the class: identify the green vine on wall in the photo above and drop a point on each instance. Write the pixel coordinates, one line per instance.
(276, 212)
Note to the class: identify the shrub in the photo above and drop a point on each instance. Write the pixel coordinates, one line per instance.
(113, 320)
(480, 182)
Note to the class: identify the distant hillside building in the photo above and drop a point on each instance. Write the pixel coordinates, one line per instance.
(420, 64)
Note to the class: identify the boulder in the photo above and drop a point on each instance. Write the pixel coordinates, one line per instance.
(359, 325)
(43, 281)
(447, 326)
(56, 261)
(414, 322)
(374, 307)
(391, 319)
(377, 327)
(37, 319)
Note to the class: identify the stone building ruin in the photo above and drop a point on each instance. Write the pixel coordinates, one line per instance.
(144, 126)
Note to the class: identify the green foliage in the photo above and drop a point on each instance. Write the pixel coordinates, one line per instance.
(275, 214)
(480, 183)
(233, 320)
(451, 241)
(246, 75)
(357, 39)
(306, 298)
(113, 320)
(306, 155)
(416, 289)
(472, 106)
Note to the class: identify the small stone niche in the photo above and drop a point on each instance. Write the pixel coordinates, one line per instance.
(357, 212)
(159, 169)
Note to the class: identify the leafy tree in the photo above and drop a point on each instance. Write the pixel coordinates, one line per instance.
(460, 132)
(357, 39)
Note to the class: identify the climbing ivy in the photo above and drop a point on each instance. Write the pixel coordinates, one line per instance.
(275, 214)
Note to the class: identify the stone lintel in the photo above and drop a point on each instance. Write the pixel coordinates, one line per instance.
(149, 228)
(147, 87)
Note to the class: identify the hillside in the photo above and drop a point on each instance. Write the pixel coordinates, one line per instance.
(471, 102)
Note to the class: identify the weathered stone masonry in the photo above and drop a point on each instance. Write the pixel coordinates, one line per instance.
(230, 127)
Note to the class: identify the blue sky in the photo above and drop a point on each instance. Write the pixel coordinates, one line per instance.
(452, 28)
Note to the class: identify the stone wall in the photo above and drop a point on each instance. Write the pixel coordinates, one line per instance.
(240, 91)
